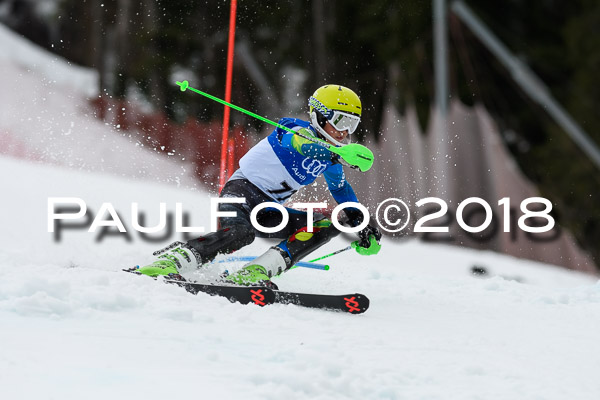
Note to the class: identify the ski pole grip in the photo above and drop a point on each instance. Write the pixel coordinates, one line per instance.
(183, 85)
(355, 154)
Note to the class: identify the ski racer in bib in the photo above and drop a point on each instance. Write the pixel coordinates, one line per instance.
(272, 171)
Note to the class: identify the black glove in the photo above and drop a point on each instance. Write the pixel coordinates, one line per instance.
(355, 216)
(366, 233)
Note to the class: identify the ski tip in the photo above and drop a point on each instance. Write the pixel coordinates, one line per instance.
(133, 270)
(183, 85)
(356, 303)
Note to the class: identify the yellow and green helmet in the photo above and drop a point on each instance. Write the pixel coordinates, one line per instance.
(336, 104)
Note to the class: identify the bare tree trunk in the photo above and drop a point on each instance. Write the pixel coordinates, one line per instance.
(96, 48)
(122, 41)
(319, 38)
(157, 94)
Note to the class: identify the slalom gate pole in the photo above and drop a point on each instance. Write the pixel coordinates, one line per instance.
(353, 153)
(225, 154)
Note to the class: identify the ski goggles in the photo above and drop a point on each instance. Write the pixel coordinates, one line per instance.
(342, 121)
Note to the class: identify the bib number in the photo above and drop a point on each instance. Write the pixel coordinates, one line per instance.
(284, 193)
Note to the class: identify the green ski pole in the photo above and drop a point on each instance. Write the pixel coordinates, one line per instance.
(332, 254)
(329, 255)
(354, 154)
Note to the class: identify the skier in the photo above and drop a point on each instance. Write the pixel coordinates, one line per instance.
(272, 171)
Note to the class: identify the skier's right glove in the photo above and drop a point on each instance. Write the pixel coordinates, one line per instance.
(369, 241)
(309, 148)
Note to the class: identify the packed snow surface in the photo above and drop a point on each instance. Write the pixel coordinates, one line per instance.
(74, 326)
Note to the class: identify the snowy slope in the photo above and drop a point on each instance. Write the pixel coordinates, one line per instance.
(45, 115)
(74, 327)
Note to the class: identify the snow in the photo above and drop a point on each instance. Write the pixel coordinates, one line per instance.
(33, 59)
(74, 326)
(46, 116)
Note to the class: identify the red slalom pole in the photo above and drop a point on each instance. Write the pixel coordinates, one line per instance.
(230, 156)
(225, 141)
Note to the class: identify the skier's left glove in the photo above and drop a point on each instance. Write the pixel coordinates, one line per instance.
(369, 241)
